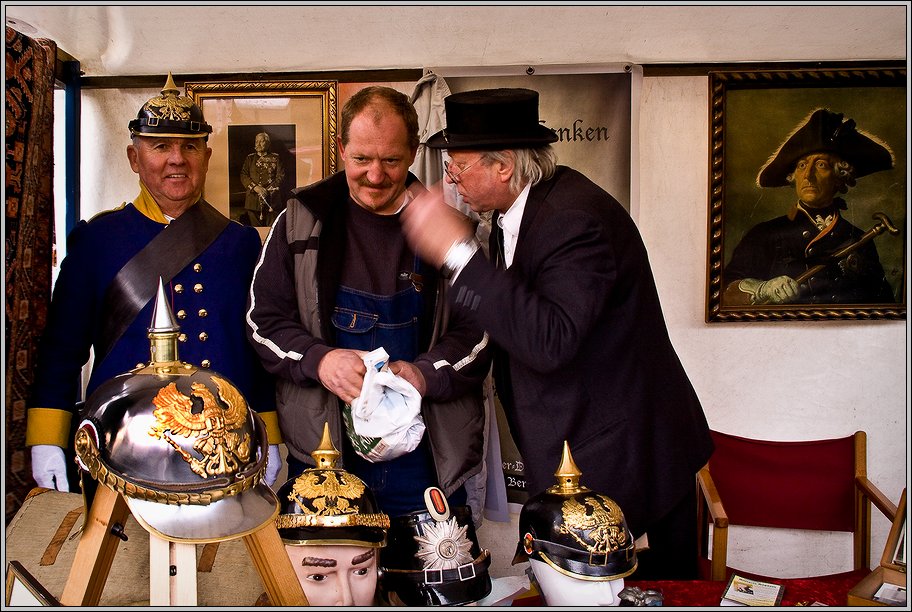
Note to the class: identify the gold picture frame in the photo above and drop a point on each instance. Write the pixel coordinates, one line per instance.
(752, 115)
(299, 116)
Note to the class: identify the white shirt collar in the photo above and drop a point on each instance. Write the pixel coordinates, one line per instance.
(510, 222)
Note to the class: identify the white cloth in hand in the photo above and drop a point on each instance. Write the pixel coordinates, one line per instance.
(273, 464)
(49, 467)
(389, 408)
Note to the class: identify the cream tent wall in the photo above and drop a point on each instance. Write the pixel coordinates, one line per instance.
(783, 380)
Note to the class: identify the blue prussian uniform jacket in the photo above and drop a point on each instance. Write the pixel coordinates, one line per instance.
(207, 297)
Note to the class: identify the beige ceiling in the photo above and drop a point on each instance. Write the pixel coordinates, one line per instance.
(116, 40)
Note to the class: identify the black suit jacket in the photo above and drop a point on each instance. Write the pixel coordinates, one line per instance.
(590, 360)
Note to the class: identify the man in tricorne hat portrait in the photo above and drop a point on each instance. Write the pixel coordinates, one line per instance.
(104, 295)
(808, 255)
(581, 350)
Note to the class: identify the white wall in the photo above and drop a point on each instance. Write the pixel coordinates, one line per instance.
(784, 380)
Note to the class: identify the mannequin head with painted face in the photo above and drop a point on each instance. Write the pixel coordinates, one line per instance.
(332, 531)
(576, 541)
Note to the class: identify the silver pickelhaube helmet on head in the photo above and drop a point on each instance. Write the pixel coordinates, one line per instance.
(180, 444)
(327, 505)
(578, 532)
(170, 115)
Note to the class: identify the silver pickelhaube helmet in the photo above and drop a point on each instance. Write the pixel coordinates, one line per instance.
(578, 532)
(170, 115)
(180, 444)
(327, 505)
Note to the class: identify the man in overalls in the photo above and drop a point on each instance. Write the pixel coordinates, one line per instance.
(336, 278)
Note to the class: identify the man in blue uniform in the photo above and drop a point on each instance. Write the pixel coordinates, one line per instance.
(104, 295)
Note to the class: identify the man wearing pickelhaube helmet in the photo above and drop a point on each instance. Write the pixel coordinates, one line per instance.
(576, 541)
(820, 160)
(103, 297)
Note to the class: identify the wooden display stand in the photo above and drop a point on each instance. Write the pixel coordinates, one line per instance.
(890, 571)
(98, 545)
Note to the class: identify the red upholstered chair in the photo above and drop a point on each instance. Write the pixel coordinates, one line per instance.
(816, 484)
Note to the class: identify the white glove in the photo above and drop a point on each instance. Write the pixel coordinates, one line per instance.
(49, 467)
(777, 290)
(273, 464)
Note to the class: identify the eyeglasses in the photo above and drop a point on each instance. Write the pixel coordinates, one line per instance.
(454, 176)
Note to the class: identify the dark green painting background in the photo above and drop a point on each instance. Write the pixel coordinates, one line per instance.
(758, 121)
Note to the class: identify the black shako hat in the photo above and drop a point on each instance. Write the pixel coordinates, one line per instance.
(492, 119)
(825, 132)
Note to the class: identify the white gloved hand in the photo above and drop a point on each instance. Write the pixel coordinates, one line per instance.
(778, 290)
(273, 464)
(49, 467)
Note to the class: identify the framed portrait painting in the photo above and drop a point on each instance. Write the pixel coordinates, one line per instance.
(807, 195)
(268, 137)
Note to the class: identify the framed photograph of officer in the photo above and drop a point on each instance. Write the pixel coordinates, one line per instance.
(268, 137)
(807, 195)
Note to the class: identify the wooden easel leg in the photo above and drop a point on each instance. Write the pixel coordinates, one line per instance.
(165, 588)
(96, 550)
(268, 555)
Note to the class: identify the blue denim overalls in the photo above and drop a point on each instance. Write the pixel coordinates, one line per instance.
(366, 321)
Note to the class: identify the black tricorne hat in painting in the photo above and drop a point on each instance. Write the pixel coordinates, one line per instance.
(826, 132)
(492, 119)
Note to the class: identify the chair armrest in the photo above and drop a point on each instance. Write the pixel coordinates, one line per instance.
(711, 495)
(880, 501)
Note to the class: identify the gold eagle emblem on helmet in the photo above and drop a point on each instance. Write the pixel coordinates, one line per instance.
(595, 523)
(328, 496)
(170, 106)
(223, 451)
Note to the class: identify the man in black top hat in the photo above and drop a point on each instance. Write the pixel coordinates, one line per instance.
(581, 350)
(821, 159)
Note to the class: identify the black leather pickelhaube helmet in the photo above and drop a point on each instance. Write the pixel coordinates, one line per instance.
(433, 557)
(170, 115)
(578, 532)
(180, 444)
(327, 505)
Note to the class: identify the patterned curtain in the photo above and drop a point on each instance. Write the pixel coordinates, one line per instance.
(29, 237)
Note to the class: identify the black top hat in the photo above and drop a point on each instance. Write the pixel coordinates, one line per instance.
(825, 132)
(492, 119)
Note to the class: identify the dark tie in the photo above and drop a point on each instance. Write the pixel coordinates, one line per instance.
(496, 244)
(501, 368)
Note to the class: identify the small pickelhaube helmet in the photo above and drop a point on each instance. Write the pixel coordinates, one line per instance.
(327, 505)
(180, 444)
(433, 557)
(170, 115)
(576, 531)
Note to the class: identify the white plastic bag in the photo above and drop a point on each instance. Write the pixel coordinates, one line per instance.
(384, 422)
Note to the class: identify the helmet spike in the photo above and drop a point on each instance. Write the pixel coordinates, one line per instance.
(326, 454)
(164, 330)
(567, 474)
(170, 87)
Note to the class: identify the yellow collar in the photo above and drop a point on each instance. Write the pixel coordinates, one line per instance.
(147, 205)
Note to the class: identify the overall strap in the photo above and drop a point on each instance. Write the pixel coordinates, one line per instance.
(168, 253)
